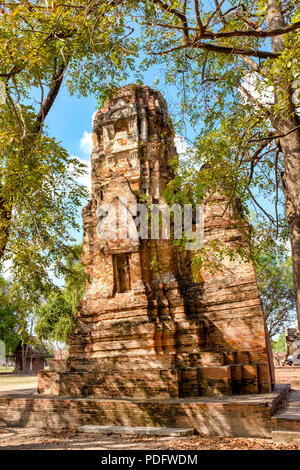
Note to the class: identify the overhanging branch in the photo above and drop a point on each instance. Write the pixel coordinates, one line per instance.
(221, 50)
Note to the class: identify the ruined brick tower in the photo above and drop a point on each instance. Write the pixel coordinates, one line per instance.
(146, 330)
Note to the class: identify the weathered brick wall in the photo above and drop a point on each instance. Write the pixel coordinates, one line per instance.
(210, 417)
(165, 335)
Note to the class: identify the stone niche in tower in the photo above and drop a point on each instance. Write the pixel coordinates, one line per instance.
(147, 329)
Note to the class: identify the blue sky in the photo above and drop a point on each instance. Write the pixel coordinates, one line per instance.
(70, 120)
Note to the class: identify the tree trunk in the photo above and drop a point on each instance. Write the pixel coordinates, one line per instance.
(294, 225)
(295, 242)
(24, 357)
(287, 126)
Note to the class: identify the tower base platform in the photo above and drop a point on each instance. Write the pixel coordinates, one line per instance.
(240, 416)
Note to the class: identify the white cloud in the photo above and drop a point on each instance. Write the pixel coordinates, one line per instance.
(86, 179)
(86, 143)
(93, 116)
(7, 269)
(288, 247)
(180, 144)
(258, 88)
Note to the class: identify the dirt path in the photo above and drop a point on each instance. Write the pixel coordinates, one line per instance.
(12, 383)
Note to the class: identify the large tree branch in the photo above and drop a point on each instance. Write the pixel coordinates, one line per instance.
(235, 50)
(275, 136)
(198, 18)
(167, 8)
(201, 33)
(254, 101)
(221, 50)
(254, 66)
(204, 34)
(50, 98)
(254, 33)
(180, 15)
(255, 158)
(219, 12)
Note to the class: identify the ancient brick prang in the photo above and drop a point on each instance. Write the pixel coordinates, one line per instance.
(146, 329)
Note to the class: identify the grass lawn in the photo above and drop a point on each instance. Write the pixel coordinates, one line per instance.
(4, 370)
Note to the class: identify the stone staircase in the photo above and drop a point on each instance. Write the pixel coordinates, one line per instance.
(286, 423)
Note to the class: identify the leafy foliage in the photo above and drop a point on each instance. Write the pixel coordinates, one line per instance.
(275, 283)
(56, 318)
(279, 344)
(87, 46)
(16, 319)
(8, 319)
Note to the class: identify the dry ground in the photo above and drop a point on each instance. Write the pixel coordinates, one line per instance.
(37, 439)
(13, 382)
(33, 439)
